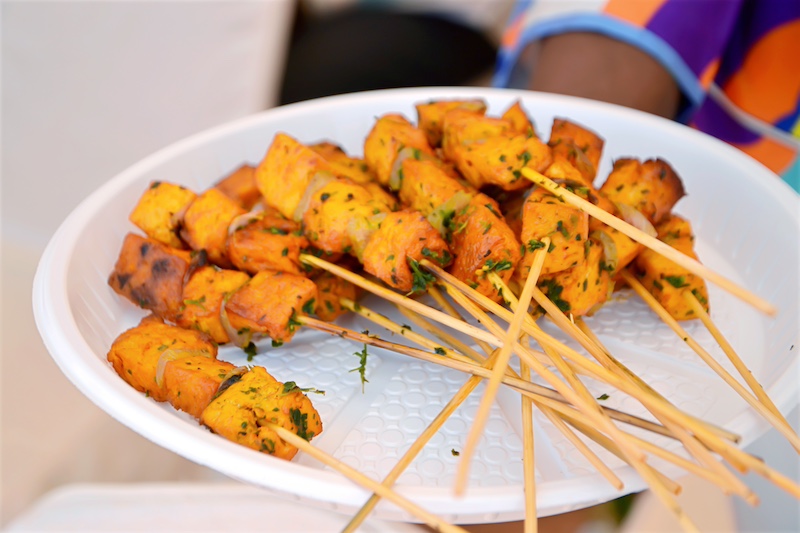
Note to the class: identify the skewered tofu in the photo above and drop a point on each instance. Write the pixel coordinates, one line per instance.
(489, 151)
(285, 173)
(267, 242)
(206, 223)
(240, 186)
(159, 212)
(269, 304)
(192, 381)
(136, 352)
(330, 289)
(666, 280)
(202, 299)
(151, 274)
(580, 290)
(430, 116)
(390, 134)
(545, 215)
(575, 141)
(425, 186)
(651, 187)
(404, 236)
(519, 119)
(343, 165)
(483, 243)
(242, 411)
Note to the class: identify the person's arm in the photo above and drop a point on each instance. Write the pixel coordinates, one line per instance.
(595, 66)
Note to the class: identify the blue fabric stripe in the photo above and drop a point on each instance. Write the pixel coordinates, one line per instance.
(639, 37)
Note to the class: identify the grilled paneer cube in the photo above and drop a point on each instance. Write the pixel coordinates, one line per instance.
(202, 300)
(242, 411)
(159, 212)
(426, 187)
(136, 352)
(240, 186)
(330, 289)
(668, 281)
(206, 224)
(404, 235)
(545, 215)
(652, 187)
(343, 165)
(484, 243)
(286, 172)
(430, 115)
(340, 217)
(580, 290)
(269, 304)
(390, 134)
(192, 381)
(570, 134)
(488, 151)
(619, 250)
(151, 274)
(519, 119)
(267, 242)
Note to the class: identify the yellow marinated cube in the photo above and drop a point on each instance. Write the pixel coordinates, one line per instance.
(160, 210)
(206, 224)
(203, 294)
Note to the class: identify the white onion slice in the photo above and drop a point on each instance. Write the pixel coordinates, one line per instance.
(439, 215)
(319, 180)
(171, 355)
(635, 218)
(243, 220)
(238, 339)
(610, 254)
(395, 176)
(360, 230)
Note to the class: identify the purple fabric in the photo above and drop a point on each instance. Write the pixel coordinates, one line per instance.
(697, 29)
(714, 120)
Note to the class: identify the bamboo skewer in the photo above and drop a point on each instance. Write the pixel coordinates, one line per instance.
(436, 294)
(357, 477)
(462, 394)
(528, 455)
(654, 244)
(734, 358)
(776, 421)
(499, 369)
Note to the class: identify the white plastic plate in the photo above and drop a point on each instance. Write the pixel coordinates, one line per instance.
(745, 218)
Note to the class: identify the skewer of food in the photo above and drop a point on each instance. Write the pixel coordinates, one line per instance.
(448, 200)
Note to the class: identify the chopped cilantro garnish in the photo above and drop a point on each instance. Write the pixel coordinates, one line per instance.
(362, 366)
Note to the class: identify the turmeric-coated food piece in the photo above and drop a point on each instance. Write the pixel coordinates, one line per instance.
(580, 290)
(286, 172)
(206, 224)
(267, 242)
(488, 151)
(136, 352)
(151, 274)
(390, 134)
(159, 212)
(242, 412)
(545, 215)
(240, 186)
(430, 115)
(404, 238)
(519, 119)
(668, 281)
(343, 165)
(426, 186)
(270, 303)
(619, 249)
(340, 217)
(330, 289)
(652, 187)
(565, 132)
(202, 299)
(192, 381)
(483, 243)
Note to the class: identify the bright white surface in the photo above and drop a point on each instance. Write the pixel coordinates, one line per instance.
(183, 507)
(79, 316)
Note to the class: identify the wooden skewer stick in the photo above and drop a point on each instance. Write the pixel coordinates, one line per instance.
(777, 423)
(581, 363)
(437, 295)
(734, 358)
(528, 454)
(500, 366)
(417, 446)
(357, 477)
(689, 263)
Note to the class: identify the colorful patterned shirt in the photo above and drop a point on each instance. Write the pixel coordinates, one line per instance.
(736, 62)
